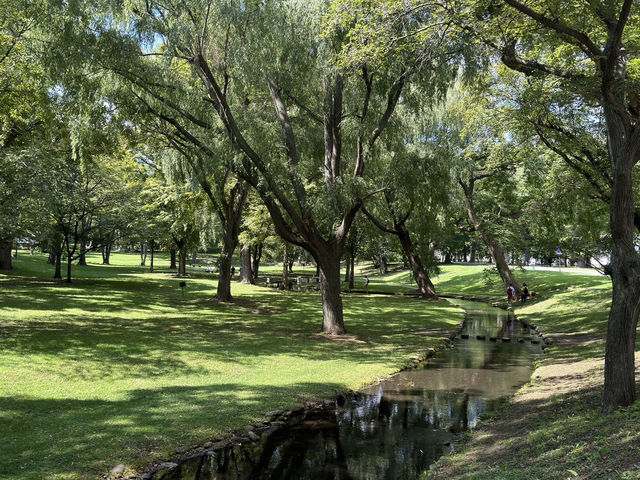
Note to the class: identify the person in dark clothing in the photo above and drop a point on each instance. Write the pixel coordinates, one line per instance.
(525, 292)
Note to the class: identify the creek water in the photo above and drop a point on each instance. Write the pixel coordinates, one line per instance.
(393, 430)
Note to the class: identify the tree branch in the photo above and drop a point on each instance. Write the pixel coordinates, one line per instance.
(581, 38)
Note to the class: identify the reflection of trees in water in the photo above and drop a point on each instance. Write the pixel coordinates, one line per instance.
(394, 430)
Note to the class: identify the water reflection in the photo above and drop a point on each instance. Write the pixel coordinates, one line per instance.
(396, 429)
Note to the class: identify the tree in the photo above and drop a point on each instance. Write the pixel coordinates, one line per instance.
(24, 110)
(256, 230)
(301, 131)
(414, 182)
(480, 153)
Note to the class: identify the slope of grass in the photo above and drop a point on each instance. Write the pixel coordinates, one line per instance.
(552, 429)
(119, 367)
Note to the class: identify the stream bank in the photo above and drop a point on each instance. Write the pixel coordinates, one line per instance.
(393, 430)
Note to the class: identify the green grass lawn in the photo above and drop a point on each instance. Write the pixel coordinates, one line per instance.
(119, 367)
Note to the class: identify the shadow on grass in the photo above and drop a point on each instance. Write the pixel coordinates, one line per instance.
(133, 332)
(90, 431)
(551, 436)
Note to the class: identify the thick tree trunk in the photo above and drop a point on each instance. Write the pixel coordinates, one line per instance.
(5, 253)
(82, 259)
(230, 231)
(246, 274)
(223, 293)
(472, 255)
(229, 243)
(619, 368)
(333, 319)
(106, 254)
(172, 265)
(382, 265)
(425, 286)
(256, 257)
(52, 257)
(182, 262)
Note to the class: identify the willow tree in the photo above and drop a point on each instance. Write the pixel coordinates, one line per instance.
(474, 141)
(414, 178)
(261, 74)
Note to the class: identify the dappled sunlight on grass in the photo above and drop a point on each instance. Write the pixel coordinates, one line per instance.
(548, 436)
(120, 367)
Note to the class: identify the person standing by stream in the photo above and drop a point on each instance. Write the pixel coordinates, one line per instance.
(525, 293)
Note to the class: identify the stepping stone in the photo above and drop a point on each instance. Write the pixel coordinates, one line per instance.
(480, 337)
(464, 335)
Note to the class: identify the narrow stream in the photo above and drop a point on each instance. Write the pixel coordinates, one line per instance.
(396, 429)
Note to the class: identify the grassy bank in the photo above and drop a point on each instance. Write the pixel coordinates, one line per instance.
(552, 428)
(119, 367)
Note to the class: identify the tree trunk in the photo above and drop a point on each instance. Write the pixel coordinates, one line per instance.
(501, 264)
(69, 260)
(5, 253)
(472, 255)
(223, 293)
(194, 258)
(619, 365)
(173, 266)
(347, 272)
(447, 257)
(143, 254)
(58, 262)
(182, 262)
(82, 259)
(153, 247)
(106, 254)
(246, 273)
(425, 286)
(494, 249)
(382, 262)
(333, 319)
(230, 230)
(256, 257)
(52, 257)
